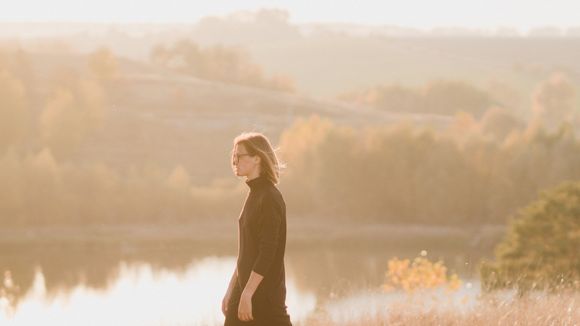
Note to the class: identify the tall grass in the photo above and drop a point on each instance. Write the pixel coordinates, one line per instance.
(422, 292)
(537, 310)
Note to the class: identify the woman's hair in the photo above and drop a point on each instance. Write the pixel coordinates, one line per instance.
(258, 144)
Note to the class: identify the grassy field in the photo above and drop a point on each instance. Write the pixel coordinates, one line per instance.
(537, 310)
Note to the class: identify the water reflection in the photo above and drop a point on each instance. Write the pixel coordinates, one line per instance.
(182, 282)
(142, 295)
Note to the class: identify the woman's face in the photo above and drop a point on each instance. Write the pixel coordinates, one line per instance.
(244, 164)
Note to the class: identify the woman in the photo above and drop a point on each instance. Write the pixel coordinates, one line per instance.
(256, 294)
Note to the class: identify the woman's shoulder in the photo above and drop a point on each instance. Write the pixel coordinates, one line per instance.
(273, 194)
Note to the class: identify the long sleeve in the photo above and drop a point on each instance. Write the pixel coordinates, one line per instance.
(268, 234)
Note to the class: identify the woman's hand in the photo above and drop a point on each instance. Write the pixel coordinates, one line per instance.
(225, 302)
(245, 308)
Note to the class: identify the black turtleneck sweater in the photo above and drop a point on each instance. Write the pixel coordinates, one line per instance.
(261, 246)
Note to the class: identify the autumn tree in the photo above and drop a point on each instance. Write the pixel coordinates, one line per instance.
(219, 63)
(542, 247)
(437, 97)
(554, 103)
(103, 64)
(14, 113)
(70, 114)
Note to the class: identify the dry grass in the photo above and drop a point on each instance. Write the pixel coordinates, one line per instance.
(537, 310)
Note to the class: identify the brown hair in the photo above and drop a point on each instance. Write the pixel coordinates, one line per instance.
(258, 144)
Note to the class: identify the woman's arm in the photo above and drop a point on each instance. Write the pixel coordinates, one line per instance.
(245, 305)
(268, 235)
(253, 282)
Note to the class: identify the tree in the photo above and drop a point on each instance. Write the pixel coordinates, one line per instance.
(554, 103)
(542, 247)
(70, 115)
(14, 114)
(444, 97)
(437, 97)
(218, 63)
(103, 64)
(498, 122)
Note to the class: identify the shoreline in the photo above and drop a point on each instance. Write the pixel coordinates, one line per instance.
(300, 233)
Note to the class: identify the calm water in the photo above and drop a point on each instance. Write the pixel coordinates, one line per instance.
(168, 283)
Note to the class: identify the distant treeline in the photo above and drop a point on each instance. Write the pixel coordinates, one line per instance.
(42, 126)
(478, 170)
(439, 97)
(219, 63)
(473, 172)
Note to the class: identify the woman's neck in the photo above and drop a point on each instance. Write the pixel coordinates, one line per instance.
(252, 176)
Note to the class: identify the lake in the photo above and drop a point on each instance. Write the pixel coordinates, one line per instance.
(180, 281)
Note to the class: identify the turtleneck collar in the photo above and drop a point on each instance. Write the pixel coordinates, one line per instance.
(257, 182)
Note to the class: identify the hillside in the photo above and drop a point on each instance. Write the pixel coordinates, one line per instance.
(158, 116)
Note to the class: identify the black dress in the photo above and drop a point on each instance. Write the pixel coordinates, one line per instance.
(261, 246)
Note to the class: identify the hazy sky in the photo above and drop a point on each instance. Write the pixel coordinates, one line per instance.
(520, 14)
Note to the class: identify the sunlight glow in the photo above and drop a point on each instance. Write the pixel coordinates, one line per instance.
(143, 296)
